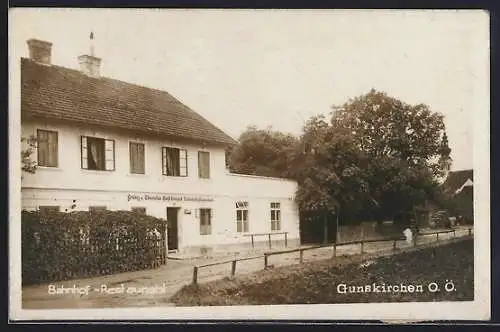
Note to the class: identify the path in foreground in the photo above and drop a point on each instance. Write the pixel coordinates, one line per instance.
(178, 273)
(443, 273)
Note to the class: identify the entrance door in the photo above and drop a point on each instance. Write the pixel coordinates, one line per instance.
(173, 233)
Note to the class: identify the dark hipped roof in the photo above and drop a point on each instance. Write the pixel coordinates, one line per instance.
(456, 179)
(58, 93)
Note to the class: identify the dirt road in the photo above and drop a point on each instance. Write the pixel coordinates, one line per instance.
(169, 278)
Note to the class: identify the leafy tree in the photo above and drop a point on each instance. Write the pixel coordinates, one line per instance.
(387, 127)
(264, 152)
(27, 164)
(406, 146)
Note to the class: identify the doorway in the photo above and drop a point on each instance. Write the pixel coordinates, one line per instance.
(173, 230)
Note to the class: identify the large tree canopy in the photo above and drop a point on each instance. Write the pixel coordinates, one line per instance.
(406, 146)
(376, 157)
(387, 127)
(264, 152)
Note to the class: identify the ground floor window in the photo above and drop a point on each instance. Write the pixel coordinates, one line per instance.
(97, 208)
(205, 221)
(48, 209)
(275, 216)
(139, 210)
(241, 217)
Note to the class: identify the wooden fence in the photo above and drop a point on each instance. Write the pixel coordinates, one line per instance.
(268, 237)
(334, 247)
(232, 261)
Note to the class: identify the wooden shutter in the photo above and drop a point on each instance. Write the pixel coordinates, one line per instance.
(141, 159)
(52, 148)
(164, 161)
(109, 154)
(182, 162)
(85, 162)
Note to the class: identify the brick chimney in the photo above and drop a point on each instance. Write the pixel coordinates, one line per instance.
(40, 51)
(89, 64)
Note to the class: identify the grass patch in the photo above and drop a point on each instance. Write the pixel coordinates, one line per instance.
(318, 282)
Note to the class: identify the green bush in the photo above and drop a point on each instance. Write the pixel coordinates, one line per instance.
(59, 246)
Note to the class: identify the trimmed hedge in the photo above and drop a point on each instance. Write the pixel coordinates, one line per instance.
(59, 246)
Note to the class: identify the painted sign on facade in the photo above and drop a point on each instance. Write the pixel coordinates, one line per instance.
(168, 198)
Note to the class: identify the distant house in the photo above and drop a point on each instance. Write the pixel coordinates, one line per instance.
(459, 188)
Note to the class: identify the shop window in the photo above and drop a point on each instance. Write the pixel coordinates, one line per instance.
(48, 209)
(139, 210)
(275, 216)
(204, 164)
(174, 161)
(205, 221)
(47, 148)
(98, 154)
(241, 217)
(137, 158)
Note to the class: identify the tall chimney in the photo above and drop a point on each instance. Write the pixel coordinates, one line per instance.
(89, 64)
(40, 51)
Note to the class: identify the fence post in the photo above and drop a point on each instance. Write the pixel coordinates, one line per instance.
(301, 255)
(265, 260)
(286, 244)
(437, 237)
(394, 245)
(470, 231)
(334, 249)
(362, 246)
(233, 268)
(252, 242)
(454, 234)
(269, 235)
(195, 274)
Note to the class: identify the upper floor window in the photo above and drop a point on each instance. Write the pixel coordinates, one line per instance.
(275, 216)
(98, 153)
(241, 217)
(47, 148)
(174, 161)
(204, 164)
(137, 158)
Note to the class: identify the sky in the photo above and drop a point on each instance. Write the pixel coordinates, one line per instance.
(280, 67)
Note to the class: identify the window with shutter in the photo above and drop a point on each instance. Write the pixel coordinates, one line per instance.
(137, 158)
(47, 148)
(174, 161)
(97, 153)
(204, 164)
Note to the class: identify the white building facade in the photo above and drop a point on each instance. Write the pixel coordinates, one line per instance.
(101, 145)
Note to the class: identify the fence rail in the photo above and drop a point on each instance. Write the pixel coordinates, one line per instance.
(268, 237)
(334, 246)
(232, 261)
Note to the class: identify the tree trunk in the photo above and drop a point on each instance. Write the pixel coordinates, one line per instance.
(325, 228)
(337, 225)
